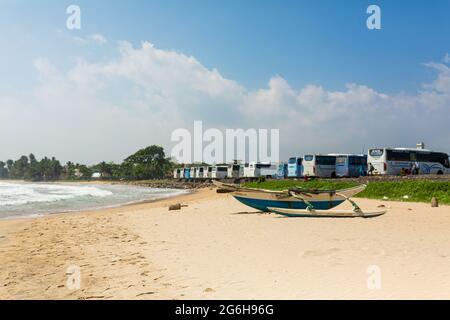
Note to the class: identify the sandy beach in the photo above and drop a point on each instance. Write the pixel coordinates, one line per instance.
(216, 248)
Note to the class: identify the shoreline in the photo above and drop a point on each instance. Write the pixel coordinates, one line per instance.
(94, 209)
(216, 248)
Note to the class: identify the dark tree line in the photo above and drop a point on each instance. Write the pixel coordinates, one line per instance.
(147, 163)
(29, 168)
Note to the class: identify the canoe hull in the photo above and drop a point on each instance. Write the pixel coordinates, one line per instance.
(265, 204)
(294, 213)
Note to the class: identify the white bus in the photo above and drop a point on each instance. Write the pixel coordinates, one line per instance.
(235, 171)
(192, 172)
(208, 172)
(201, 172)
(393, 161)
(219, 172)
(246, 170)
(318, 165)
(268, 170)
(177, 173)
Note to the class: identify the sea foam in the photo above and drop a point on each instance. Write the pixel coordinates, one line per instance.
(31, 199)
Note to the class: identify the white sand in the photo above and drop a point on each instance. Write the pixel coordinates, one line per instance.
(217, 248)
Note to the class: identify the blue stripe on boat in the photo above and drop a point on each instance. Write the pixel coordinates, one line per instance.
(262, 205)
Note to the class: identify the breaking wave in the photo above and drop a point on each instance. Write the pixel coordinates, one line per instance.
(26, 199)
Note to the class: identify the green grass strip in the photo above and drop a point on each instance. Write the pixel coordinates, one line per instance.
(410, 191)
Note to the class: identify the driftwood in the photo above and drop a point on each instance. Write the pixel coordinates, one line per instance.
(176, 206)
(223, 191)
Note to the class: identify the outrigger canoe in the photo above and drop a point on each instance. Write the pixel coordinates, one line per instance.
(299, 202)
(326, 213)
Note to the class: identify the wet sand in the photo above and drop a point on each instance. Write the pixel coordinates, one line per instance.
(217, 248)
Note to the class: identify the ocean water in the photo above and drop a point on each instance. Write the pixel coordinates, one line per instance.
(35, 199)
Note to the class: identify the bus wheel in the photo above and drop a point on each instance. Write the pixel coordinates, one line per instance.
(440, 172)
(333, 175)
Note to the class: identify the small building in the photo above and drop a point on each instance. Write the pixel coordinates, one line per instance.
(96, 175)
(77, 173)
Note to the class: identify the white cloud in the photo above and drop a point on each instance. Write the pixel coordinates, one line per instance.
(442, 82)
(105, 111)
(98, 38)
(447, 58)
(95, 38)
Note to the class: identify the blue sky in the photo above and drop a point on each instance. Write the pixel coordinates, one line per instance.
(319, 43)
(324, 42)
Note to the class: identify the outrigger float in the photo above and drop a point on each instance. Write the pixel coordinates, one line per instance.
(299, 202)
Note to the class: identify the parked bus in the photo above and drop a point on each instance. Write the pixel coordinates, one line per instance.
(267, 170)
(177, 173)
(219, 172)
(321, 166)
(186, 173)
(235, 171)
(351, 165)
(394, 161)
(282, 170)
(192, 172)
(201, 172)
(295, 167)
(208, 172)
(246, 170)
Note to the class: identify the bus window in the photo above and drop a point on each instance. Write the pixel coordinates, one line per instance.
(292, 161)
(341, 160)
(437, 157)
(326, 160)
(398, 155)
(309, 158)
(354, 161)
(357, 160)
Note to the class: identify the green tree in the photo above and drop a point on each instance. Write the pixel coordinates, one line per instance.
(33, 172)
(68, 171)
(85, 171)
(3, 170)
(18, 169)
(148, 163)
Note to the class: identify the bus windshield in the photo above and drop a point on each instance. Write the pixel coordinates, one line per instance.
(263, 165)
(376, 152)
(341, 160)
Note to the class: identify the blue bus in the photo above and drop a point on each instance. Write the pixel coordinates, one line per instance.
(295, 167)
(282, 170)
(186, 173)
(351, 165)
